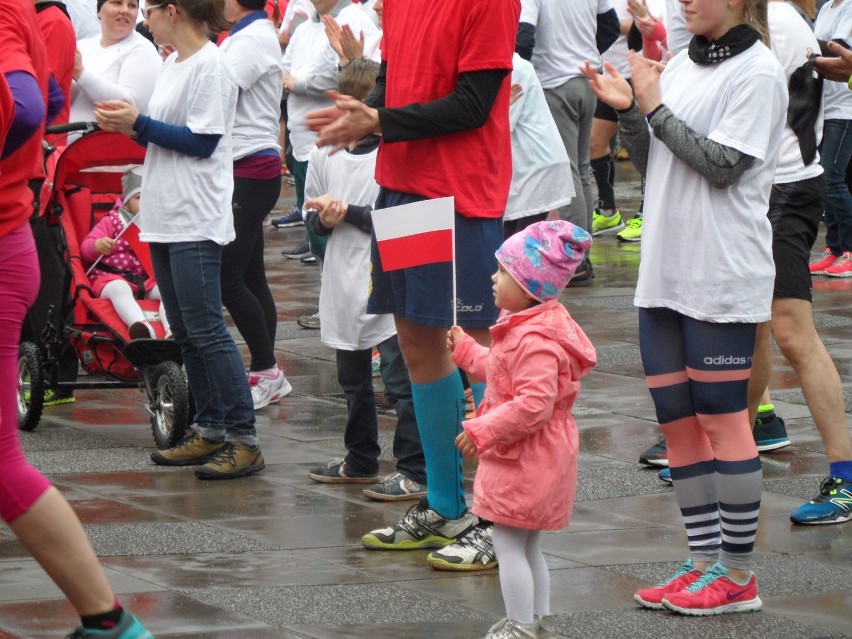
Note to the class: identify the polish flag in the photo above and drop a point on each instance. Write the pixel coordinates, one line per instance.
(143, 252)
(416, 234)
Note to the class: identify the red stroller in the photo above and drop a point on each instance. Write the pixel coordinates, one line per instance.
(85, 183)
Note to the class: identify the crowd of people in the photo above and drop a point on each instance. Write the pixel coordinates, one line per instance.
(740, 108)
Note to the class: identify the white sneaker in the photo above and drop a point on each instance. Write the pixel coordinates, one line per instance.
(472, 551)
(266, 391)
(508, 629)
(420, 528)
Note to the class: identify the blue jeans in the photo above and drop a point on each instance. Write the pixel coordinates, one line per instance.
(188, 274)
(834, 158)
(354, 372)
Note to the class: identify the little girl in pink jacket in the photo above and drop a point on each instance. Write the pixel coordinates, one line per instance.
(525, 434)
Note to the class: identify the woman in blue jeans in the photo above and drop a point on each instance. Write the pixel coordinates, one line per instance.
(187, 186)
(834, 22)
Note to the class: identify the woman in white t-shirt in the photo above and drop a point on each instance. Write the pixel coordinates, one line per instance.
(187, 185)
(118, 64)
(834, 22)
(707, 143)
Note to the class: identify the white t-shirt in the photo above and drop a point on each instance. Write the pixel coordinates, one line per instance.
(309, 53)
(344, 322)
(186, 198)
(707, 252)
(677, 37)
(540, 165)
(616, 55)
(126, 70)
(564, 36)
(255, 58)
(791, 37)
(835, 23)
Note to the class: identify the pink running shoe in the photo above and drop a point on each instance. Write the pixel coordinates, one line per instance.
(653, 597)
(828, 259)
(715, 594)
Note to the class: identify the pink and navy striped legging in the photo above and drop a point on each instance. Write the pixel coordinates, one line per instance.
(698, 373)
(20, 484)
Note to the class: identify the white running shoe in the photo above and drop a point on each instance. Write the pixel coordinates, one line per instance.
(267, 391)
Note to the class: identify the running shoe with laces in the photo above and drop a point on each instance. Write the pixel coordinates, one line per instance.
(471, 552)
(842, 267)
(656, 455)
(715, 593)
(606, 224)
(395, 487)
(833, 505)
(421, 527)
(632, 231)
(653, 597)
(293, 217)
(55, 398)
(128, 628)
(309, 321)
(828, 259)
(336, 472)
(192, 450)
(234, 459)
(665, 475)
(508, 629)
(265, 391)
(769, 432)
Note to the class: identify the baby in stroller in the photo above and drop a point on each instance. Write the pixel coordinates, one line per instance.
(117, 273)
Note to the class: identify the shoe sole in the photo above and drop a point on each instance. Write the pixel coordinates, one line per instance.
(374, 543)
(58, 402)
(447, 566)
(292, 256)
(165, 461)
(840, 275)
(609, 230)
(324, 479)
(628, 239)
(369, 494)
(824, 522)
(204, 473)
(647, 604)
(752, 605)
(661, 463)
(311, 327)
(287, 225)
(285, 390)
(770, 446)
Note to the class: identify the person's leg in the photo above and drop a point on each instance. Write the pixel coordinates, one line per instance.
(540, 574)
(606, 219)
(361, 437)
(121, 295)
(516, 575)
(154, 294)
(407, 448)
(834, 158)
(761, 369)
(245, 292)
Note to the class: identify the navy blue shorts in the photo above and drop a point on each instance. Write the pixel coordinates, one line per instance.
(424, 294)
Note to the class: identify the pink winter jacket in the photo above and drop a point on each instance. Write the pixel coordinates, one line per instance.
(525, 433)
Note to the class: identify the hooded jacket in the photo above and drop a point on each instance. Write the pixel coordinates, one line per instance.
(525, 433)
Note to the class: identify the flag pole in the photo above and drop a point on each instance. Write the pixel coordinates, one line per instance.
(100, 257)
(455, 312)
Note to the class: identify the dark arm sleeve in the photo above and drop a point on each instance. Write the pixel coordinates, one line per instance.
(525, 40)
(312, 221)
(360, 217)
(29, 110)
(609, 28)
(175, 138)
(376, 98)
(467, 107)
(55, 100)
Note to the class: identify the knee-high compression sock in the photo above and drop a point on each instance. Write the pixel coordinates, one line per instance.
(439, 407)
(478, 390)
(842, 469)
(604, 172)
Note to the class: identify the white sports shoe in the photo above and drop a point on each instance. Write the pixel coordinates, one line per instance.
(267, 391)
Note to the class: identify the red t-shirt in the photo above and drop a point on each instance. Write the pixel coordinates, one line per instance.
(23, 50)
(427, 44)
(61, 42)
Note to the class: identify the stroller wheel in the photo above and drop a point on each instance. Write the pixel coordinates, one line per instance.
(170, 414)
(30, 386)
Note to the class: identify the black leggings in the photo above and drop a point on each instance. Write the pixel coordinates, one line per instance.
(245, 292)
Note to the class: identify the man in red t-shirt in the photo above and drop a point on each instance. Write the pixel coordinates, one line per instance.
(61, 43)
(441, 105)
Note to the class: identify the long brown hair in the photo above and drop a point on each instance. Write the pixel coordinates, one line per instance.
(755, 14)
(210, 13)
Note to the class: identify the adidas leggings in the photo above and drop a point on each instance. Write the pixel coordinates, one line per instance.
(698, 373)
(524, 579)
(20, 484)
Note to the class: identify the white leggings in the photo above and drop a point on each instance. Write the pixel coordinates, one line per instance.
(524, 578)
(121, 295)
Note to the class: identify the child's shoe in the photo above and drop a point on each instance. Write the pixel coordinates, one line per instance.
(141, 330)
(603, 224)
(266, 391)
(715, 594)
(546, 626)
(508, 629)
(127, 628)
(686, 575)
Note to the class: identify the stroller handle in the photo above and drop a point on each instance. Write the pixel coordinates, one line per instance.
(72, 126)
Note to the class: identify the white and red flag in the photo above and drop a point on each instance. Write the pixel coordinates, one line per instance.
(415, 234)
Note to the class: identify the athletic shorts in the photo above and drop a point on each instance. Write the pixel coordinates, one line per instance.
(795, 211)
(424, 294)
(605, 112)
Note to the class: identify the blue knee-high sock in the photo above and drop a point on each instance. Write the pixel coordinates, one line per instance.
(842, 469)
(478, 390)
(439, 407)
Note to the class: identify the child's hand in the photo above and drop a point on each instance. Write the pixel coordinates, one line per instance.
(465, 445)
(453, 337)
(104, 245)
(331, 210)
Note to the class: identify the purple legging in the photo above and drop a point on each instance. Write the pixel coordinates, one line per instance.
(20, 484)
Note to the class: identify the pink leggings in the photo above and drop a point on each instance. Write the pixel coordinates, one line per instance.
(20, 484)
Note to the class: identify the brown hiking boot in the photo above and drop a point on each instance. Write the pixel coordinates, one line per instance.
(233, 460)
(190, 451)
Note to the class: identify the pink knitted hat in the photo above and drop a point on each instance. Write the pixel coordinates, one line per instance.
(543, 257)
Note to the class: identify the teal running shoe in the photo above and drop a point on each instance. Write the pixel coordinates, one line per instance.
(128, 628)
(833, 505)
